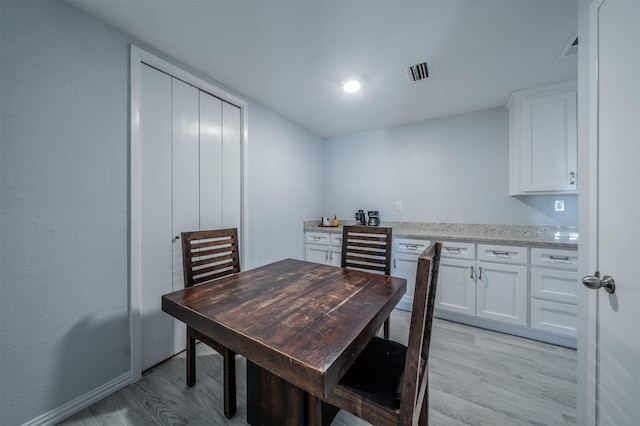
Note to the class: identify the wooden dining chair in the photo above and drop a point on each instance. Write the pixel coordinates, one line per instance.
(368, 248)
(388, 384)
(207, 255)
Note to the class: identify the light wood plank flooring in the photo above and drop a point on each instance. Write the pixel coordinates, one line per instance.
(477, 377)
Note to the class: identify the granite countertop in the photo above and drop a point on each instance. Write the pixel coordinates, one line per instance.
(550, 236)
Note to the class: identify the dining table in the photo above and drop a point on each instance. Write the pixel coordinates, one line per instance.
(300, 325)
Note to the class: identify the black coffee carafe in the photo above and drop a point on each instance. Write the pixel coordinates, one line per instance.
(374, 218)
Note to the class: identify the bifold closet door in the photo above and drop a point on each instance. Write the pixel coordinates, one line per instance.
(156, 231)
(185, 179)
(231, 167)
(190, 159)
(220, 167)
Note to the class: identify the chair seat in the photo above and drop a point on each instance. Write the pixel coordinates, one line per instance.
(378, 372)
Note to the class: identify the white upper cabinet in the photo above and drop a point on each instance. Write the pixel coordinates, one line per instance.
(543, 140)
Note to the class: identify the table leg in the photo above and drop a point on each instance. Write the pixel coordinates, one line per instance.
(274, 401)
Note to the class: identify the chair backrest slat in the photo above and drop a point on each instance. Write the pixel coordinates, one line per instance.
(367, 247)
(415, 386)
(209, 254)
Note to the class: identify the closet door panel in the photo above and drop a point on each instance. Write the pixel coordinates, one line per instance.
(155, 215)
(231, 166)
(210, 162)
(186, 181)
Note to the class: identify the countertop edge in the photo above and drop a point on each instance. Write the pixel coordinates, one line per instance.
(561, 237)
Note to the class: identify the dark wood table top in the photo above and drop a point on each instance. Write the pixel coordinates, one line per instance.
(302, 321)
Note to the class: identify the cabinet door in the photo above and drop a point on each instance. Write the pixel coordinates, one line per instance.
(456, 291)
(555, 284)
(335, 256)
(405, 266)
(549, 143)
(317, 253)
(502, 293)
(559, 318)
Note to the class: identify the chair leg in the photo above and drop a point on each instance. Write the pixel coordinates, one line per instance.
(387, 327)
(229, 360)
(191, 360)
(423, 420)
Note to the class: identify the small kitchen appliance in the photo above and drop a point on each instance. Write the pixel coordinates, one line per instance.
(361, 218)
(374, 218)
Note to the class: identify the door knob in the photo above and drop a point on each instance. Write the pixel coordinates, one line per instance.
(595, 282)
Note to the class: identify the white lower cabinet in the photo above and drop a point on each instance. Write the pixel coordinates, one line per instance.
(529, 292)
(405, 263)
(456, 291)
(501, 292)
(323, 247)
(502, 286)
(554, 291)
(494, 287)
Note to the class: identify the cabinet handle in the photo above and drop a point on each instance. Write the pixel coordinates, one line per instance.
(563, 258)
(326, 256)
(454, 250)
(501, 253)
(176, 238)
(471, 274)
(331, 255)
(480, 272)
(316, 238)
(572, 178)
(394, 264)
(411, 247)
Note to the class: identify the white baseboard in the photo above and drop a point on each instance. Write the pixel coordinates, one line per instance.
(72, 407)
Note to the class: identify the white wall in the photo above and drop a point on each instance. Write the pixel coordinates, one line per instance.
(64, 307)
(452, 169)
(286, 178)
(64, 325)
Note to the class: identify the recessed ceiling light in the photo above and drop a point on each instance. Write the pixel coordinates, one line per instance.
(351, 86)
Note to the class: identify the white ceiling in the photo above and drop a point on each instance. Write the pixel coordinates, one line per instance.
(291, 56)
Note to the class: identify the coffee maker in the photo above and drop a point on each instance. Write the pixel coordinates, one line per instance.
(374, 218)
(360, 218)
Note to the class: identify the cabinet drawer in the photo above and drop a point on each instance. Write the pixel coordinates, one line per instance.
(336, 240)
(554, 317)
(555, 285)
(409, 245)
(502, 254)
(318, 238)
(458, 250)
(555, 258)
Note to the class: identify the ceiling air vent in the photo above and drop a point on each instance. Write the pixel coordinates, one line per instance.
(417, 72)
(571, 48)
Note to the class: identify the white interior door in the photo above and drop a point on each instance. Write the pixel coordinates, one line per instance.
(231, 167)
(210, 164)
(211, 187)
(185, 178)
(155, 214)
(618, 198)
(190, 180)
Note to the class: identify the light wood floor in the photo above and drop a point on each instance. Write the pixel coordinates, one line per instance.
(477, 377)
